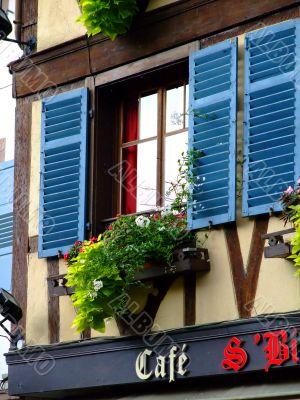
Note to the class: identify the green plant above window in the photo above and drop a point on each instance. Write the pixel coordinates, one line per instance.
(109, 17)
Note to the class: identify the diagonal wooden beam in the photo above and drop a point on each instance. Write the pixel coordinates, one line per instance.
(245, 281)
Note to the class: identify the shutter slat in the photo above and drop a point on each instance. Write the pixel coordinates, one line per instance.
(6, 219)
(63, 172)
(212, 130)
(271, 116)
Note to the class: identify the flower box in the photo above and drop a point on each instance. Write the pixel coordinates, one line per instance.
(186, 259)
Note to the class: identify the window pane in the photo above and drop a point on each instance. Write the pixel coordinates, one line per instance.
(146, 178)
(131, 111)
(129, 179)
(148, 116)
(175, 145)
(187, 110)
(139, 177)
(174, 117)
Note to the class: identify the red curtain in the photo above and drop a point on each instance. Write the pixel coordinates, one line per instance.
(130, 133)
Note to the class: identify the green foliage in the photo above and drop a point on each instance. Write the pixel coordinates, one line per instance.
(290, 201)
(180, 190)
(296, 238)
(110, 17)
(104, 269)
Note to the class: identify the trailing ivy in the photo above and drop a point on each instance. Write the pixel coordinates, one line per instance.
(109, 17)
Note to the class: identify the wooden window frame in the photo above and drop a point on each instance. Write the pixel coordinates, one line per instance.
(108, 125)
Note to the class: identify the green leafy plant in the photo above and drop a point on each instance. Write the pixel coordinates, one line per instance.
(104, 269)
(296, 238)
(180, 192)
(289, 199)
(110, 17)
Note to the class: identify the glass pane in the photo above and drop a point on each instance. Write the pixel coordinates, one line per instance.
(148, 116)
(174, 117)
(139, 177)
(146, 177)
(187, 110)
(131, 112)
(129, 179)
(175, 145)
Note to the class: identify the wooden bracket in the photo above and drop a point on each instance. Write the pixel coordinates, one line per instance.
(277, 248)
(57, 286)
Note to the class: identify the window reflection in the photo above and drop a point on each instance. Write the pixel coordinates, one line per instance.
(148, 116)
(175, 146)
(174, 112)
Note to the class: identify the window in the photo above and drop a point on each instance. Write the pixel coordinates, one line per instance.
(152, 137)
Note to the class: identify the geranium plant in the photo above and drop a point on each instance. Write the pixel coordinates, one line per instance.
(102, 269)
(105, 268)
(110, 17)
(291, 213)
(290, 198)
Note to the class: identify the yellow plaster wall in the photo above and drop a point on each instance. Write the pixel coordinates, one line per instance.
(215, 298)
(57, 21)
(37, 301)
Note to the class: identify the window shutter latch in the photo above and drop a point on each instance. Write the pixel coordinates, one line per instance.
(91, 113)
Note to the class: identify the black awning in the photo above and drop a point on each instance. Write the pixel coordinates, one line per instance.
(135, 363)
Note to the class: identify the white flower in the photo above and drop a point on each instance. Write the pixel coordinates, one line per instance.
(93, 295)
(142, 222)
(166, 211)
(162, 228)
(97, 285)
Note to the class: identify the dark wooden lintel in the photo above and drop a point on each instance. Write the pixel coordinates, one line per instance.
(152, 33)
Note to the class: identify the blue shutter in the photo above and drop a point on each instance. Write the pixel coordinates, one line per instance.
(271, 132)
(212, 130)
(6, 222)
(63, 171)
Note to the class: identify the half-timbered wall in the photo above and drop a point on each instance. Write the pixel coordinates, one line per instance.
(241, 283)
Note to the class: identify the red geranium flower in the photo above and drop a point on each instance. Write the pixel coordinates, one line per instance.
(110, 227)
(81, 250)
(93, 239)
(156, 217)
(66, 256)
(78, 242)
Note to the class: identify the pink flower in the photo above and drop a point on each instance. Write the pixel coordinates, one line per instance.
(298, 191)
(66, 256)
(81, 250)
(289, 190)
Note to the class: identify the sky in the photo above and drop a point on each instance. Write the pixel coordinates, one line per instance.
(8, 53)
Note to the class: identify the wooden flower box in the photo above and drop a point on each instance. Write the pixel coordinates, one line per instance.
(186, 259)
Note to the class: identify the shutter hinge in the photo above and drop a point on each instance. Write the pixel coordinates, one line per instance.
(91, 113)
(246, 43)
